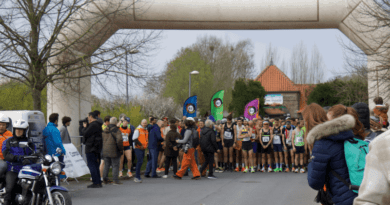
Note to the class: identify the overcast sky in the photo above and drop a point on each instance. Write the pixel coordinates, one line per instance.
(327, 41)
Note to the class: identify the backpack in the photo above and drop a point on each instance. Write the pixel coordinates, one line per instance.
(194, 138)
(355, 151)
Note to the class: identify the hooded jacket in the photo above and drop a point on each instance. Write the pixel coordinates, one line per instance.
(53, 139)
(328, 154)
(208, 140)
(155, 137)
(112, 147)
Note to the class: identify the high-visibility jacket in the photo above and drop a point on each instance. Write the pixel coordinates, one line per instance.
(126, 136)
(7, 134)
(143, 137)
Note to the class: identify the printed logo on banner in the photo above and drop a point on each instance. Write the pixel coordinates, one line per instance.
(190, 108)
(252, 110)
(217, 102)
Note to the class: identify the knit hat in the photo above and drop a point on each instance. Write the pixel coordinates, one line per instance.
(364, 113)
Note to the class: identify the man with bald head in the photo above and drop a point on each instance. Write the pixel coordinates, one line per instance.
(140, 143)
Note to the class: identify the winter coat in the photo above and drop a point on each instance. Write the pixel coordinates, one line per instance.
(11, 151)
(7, 134)
(364, 113)
(208, 140)
(112, 147)
(328, 154)
(53, 140)
(93, 137)
(155, 138)
(65, 135)
(170, 142)
(375, 187)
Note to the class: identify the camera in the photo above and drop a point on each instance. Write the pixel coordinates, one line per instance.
(186, 147)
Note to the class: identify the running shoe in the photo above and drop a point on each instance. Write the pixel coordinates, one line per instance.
(165, 176)
(245, 170)
(258, 169)
(220, 170)
(253, 170)
(296, 170)
(302, 171)
(270, 169)
(237, 169)
(280, 169)
(242, 170)
(276, 170)
(120, 174)
(195, 178)
(117, 183)
(129, 174)
(136, 180)
(293, 169)
(176, 177)
(287, 170)
(212, 177)
(158, 170)
(263, 169)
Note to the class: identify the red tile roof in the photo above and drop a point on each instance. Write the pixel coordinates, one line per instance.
(274, 80)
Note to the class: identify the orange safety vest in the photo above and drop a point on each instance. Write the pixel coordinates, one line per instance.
(7, 134)
(143, 138)
(124, 133)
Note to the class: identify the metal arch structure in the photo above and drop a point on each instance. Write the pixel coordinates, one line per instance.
(201, 15)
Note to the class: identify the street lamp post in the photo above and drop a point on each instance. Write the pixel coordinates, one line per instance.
(132, 51)
(189, 89)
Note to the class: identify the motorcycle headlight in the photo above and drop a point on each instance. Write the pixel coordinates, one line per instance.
(48, 158)
(55, 168)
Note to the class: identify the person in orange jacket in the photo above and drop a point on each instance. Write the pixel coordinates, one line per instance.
(4, 135)
(140, 143)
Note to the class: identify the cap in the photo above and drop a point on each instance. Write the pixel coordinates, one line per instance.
(190, 119)
(127, 119)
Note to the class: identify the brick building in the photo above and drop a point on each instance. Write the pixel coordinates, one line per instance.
(292, 97)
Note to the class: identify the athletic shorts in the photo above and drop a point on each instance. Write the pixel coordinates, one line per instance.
(278, 148)
(228, 143)
(219, 145)
(254, 146)
(238, 145)
(258, 147)
(126, 148)
(300, 150)
(246, 146)
(289, 148)
(268, 150)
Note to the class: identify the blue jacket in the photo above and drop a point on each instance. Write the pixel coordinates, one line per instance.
(328, 154)
(155, 137)
(12, 151)
(53, 139)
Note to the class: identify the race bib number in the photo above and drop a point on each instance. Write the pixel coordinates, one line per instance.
(265, 139)
(125, 137)
(253, 136)
(277, 139)
(228, 135)
(299, 139)
(288, 141)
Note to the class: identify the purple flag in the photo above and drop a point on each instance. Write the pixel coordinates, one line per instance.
(252, 109)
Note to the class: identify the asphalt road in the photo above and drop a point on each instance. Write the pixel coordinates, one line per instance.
(228, 189)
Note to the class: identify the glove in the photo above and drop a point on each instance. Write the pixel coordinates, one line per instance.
(26, 162)
(17, 158)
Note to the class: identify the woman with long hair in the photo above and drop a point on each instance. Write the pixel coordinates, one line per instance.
(328, 150)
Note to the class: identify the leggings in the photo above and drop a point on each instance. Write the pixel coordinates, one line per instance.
(168, 160)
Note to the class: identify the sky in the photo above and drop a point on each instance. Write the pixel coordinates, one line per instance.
(328, 41)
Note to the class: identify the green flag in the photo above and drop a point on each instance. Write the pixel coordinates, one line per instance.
(217, 105)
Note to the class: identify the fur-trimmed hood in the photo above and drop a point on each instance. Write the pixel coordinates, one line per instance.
(381, 107)
(332, 128)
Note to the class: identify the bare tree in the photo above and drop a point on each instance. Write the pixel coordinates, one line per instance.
(30, 33)
(299, 64)
(317, 66)
(159, 106)
(272, 56)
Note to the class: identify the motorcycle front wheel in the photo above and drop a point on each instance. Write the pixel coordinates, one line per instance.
(60, 198)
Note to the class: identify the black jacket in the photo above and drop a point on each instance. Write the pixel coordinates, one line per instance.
(170, 142)
(208, 140)
(364, 113)
(93, 138)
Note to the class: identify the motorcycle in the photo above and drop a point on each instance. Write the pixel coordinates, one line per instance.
(39, 184)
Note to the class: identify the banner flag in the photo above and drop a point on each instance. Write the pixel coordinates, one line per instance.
(75, 165)
(217, 105)
(252, 109)
(190, 106)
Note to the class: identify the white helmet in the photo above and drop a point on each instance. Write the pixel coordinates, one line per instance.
(20, 124)
(4, 118)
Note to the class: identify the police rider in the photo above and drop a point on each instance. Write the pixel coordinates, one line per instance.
(13, 154)
(4, 135)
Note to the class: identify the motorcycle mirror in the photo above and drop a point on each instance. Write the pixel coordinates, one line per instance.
(23, 144)
(58, 150)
